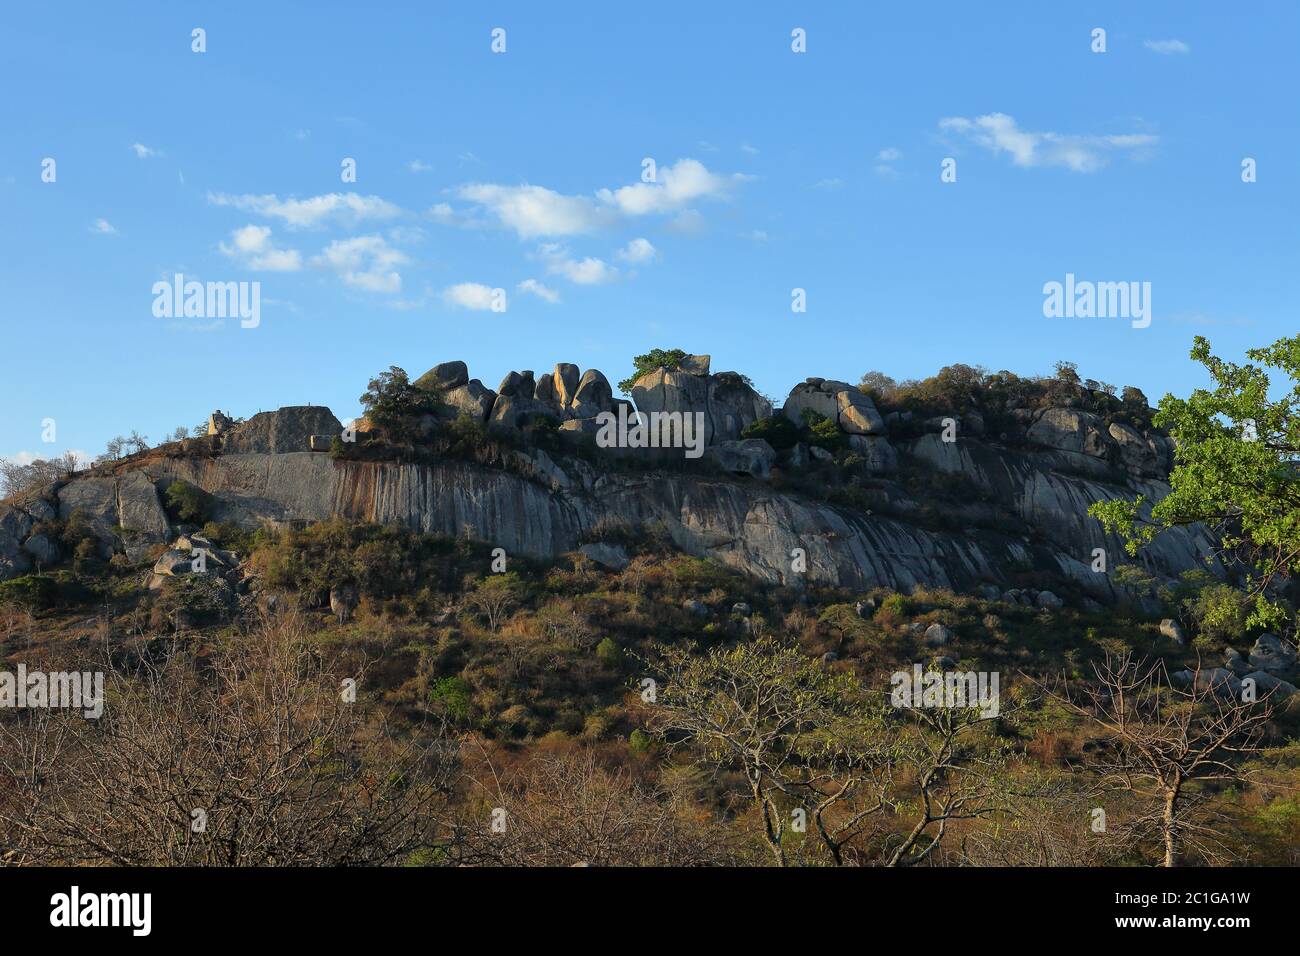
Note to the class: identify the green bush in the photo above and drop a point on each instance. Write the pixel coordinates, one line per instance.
(639, 742)
(652, 360)
(778, 431)
(188, 503)
(453, 693)
(41, 592)
(823, 432)
(608, 652)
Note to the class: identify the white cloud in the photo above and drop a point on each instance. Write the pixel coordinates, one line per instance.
(313, 211)
(534, 211)
(538, 289)
(1167, 47)
(638, 250)
(676, 187)
(419, 166)
(537, 212)
(102, 227)
(755, 235)
(1080, 153)
(832, 183)
(252, 246)
(470, 295)
(586, 271)
(143, 151)
(746, 148)
(365, 262)
(890, 154)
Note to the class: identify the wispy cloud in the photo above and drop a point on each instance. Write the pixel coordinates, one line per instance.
(538, 212)
(364, 262)
(144, 152)
(252, 246)
(586, 271)
(469, 295)
(638, 250)
(313, 211)
(102, 227)
(419, 166)
(1000, 133)
(1167, 47)
(533, 287)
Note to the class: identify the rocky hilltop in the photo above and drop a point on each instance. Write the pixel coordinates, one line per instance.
(830, 489)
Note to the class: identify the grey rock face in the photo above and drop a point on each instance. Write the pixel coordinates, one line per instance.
(43, 550)
(878, 454)
(726, 402)
(1046, 599)
(1068, 429)
(936, 635)
(751, 456)
(443, 376)
(15, 526)
(1135, 452)
(510, 413)
(1272, 655)
(287, 429)
(565, 381)
(612, 557)
(748, 527)
(1054, 504)
(1171, 629)
(474, 400)
(1222, 682)
(857, 414)
(592, 396)
(1266, 683)
(174, 562)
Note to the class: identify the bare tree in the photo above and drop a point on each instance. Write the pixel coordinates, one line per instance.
(253, 757)
(569, 810)
(1165, 742)
(811, 739)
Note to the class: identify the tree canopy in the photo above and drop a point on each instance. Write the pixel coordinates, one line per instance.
(1237, 469)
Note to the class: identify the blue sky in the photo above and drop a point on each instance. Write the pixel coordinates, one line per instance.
(522, 171)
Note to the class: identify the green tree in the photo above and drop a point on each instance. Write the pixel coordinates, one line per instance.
(1237, 470)
(649, 362)
(495, 596)
(394, 404)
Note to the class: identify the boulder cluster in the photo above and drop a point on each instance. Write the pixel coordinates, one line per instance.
(1272, 664)
(1084, 433)
(726, 402)
(570, 398)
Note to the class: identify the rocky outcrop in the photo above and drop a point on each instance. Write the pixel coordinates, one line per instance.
(472, 399)
(726, 400)
(444, 376)
(746, 526)
(1047, 494)
(840, 402)
(751, 457)
(281, 431)
(1022, 509)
